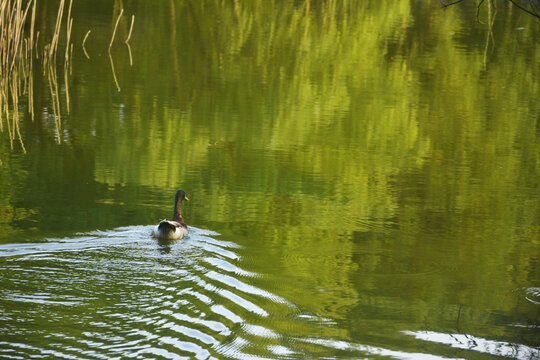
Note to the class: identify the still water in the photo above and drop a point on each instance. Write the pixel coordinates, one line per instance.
(363, 180)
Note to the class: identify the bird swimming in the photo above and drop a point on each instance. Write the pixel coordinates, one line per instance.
(176, 228)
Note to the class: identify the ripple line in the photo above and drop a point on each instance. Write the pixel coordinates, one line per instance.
(346, 346)
(238, 300)
(157, 352)
(249, 289)
(227, 266)
(200, 353)
(473, 343)
(223, 311)
(192, 333)
(234, 350)
(210, 324)
(260, 331)
(218, 250)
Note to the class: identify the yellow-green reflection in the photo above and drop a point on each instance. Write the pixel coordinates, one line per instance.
(376, 159)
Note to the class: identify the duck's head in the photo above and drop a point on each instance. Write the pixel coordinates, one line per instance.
(180, 195)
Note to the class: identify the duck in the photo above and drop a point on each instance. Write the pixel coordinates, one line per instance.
(176, 228)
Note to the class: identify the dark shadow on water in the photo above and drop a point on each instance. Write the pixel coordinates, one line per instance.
(165, 245)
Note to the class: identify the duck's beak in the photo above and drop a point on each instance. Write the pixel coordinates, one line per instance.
(186, 198)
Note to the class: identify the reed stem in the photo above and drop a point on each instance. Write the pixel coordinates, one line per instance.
(130, 28)
(56, 35)
(84, 41)
(115, 27)
(17, 48)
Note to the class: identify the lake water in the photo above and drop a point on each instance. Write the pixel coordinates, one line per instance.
(363, 180)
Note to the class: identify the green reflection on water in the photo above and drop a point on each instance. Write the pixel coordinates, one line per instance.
(375, 160)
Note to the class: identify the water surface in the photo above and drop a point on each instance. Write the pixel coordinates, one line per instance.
(371, 168)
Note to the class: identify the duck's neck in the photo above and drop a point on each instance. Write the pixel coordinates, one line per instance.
(178, 211)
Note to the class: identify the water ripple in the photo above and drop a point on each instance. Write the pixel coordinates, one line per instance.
(120, 294)
(228, 267)
(241, 286)
(474, 343)
(132, 296)
(215, 326)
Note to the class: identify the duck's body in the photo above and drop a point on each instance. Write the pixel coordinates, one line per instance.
(172, 230)
(176, 228)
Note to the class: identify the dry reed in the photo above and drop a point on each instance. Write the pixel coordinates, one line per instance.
(115, 27)
(127, 40)
(83, 42)
(54, 42)
(69, 25)
(130, 29)
(15, 63)
(129, 53)
(114, 72)
(17, 47)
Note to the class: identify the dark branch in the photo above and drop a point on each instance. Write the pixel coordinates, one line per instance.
(522, 8)
(452, 3)
(478, 10)
(534, 12)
